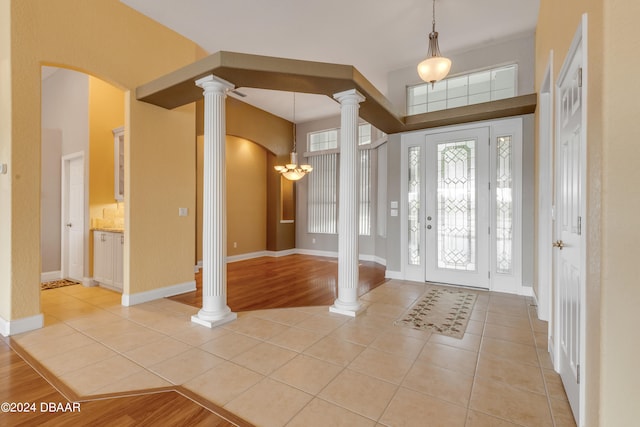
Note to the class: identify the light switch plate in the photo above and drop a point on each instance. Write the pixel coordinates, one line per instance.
(3, 168)
(394, 205)
(394, 212)
(183, 211)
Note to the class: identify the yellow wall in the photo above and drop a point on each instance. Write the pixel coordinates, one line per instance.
(246, 196)
(5, 154)
(611, 374)
(106, 112)
(246, 164)
(620, 206)
(247, 123)
(96, 37)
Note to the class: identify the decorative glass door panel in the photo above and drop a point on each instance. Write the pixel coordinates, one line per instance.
(413, 206)
(457, 208)
(456, 211)
(504, 205)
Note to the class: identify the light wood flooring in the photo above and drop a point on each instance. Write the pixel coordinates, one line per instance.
(290, 281)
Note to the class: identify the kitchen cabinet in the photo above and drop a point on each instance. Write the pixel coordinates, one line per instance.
(108, 259)
(118, 163)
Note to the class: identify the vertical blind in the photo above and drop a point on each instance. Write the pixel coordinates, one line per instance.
(365, 193)
(322, 203)
(322, 195)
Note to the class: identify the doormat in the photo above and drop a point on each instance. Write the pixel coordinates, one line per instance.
(442, 310)
(57, 284)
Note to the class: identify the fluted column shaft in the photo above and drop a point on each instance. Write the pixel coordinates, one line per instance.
(347, 302)
(214, 213)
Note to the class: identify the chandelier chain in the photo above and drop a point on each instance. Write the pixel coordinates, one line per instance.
(294, 121)
(433, 22)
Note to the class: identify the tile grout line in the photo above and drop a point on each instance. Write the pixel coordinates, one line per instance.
(544, 380)
(176, 314)
(475, 370)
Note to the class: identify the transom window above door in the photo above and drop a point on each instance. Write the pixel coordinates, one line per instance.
(467, 89)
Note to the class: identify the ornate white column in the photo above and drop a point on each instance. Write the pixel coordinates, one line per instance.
(214, 310)
(347, 302)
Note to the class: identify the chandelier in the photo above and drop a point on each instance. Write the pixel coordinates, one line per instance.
(435, 67)
(291, 170)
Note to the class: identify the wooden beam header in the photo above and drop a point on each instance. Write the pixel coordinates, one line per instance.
(265, 72)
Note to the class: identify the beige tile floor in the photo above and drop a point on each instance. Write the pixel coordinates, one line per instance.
(308, 367)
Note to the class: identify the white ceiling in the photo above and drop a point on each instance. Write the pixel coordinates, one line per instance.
(375, 36)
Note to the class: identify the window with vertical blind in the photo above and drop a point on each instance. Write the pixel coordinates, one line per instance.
(322, 194)
(322, 198)
(365, 193)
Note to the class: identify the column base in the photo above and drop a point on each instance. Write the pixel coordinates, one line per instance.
(347, 310)
(212, 323)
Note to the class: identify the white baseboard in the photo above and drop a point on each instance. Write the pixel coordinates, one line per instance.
(50, 276)
(542, 314)
(389, 274)
(527, 291)
(243, 257)
(18, 326)
(252, 255)
(380, 261)
(286, 252)
(333, 254)
(88, 282)
(519, 290)
(142, 297)
(312, 252)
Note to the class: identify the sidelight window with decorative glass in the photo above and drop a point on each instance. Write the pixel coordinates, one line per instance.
(292, 171)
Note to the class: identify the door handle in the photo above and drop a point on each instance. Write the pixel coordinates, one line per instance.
(558, 244)
(428, 227)
(69, 224)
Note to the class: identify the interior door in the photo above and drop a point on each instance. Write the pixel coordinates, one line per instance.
(569, 281)
(73, 218)
(457, 207)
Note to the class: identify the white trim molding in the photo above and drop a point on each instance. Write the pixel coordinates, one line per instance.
(18, 326)
(397, 275)
(252, 255)
(545, 203)
(379, 260)
(294, 251)
(313, 252)
(49, 276)
(154, 294)
(278, 254)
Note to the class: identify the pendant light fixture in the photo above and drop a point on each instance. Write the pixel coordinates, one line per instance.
(292, 171)
(435, 67)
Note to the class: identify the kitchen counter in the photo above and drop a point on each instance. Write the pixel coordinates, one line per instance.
(110, 230)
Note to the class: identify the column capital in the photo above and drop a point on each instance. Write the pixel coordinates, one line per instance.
(213, 83)
(349, 96)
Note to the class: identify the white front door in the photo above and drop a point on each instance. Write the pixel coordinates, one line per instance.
(73, 217)
(569, 279)
(457, 207)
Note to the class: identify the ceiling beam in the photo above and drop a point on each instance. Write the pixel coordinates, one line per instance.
(264, 72)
